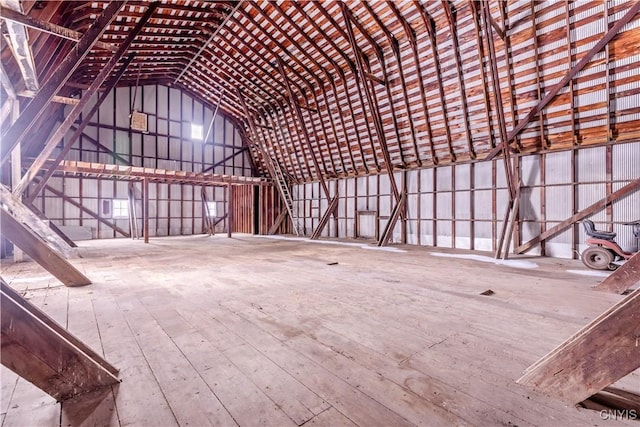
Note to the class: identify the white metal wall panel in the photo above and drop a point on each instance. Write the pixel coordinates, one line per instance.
(443, 178)
(626, 161)
(558, 167)
(530, 170)
(591, 164)
(558, 202)
(482, 175)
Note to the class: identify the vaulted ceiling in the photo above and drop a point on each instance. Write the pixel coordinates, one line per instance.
(331, 88)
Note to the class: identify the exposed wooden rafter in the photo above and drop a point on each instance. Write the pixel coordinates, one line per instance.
(32, 112)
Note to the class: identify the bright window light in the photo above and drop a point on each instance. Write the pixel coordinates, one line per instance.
(120, 208)
(196, 132)
(211, 206)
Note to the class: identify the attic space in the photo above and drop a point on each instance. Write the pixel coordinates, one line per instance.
(356, 213)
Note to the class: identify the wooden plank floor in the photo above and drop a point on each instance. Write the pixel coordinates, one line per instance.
(252, 331)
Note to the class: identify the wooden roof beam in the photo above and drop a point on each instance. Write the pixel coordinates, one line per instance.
(380, 55)
(211, 37)
(49, 28)
(395, 47)
(79, 130)
(329, 77)
(296, 60)
(411, 35)
(483, 74)
(335, 24)
(19, 44)
(298, 112)
(451, 20)
(20, 129)
(551, 94)
(346, 15)
(430, 27)
(55, 139)
(320, 83)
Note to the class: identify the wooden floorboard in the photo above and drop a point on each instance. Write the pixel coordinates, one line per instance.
(251, 331)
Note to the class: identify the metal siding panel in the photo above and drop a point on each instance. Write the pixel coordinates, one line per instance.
(463, 205)
(443, 178)
(463, 181)
(590, 164)
(557, 203)
(626, 161)
(558, 168)
(123, 106)
(482, 204)
(530, 204)
(482, 175)
(412, 181)
(530, 170)
(426, 180)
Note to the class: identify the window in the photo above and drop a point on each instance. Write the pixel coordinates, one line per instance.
(211, 208)
(120, 208)
(196, 132)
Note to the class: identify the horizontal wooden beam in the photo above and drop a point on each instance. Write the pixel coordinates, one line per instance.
(600, 204)
(595, 357)
(56, 98)
(41, 351)
(226, 159)
(137, 173)
(49, 28)
(624, 278)
(40, 252)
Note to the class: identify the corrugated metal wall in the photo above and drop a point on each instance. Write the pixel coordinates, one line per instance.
(175, 209)
(462, 206)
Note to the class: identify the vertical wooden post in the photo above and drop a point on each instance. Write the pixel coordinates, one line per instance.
(16, 169)
(230, 210)
(145, 194)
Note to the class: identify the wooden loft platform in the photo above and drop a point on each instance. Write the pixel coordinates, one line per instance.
(123, 172)
(360, 337)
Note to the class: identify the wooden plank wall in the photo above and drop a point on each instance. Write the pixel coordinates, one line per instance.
(242, 209)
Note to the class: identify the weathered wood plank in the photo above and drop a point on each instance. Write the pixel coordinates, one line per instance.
(191, 399)
(599, 354)
(31, 244)
(625, 277)
(139, 398)
(46, 355)
(99, 407)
